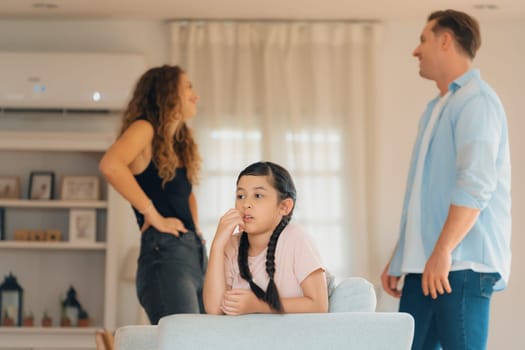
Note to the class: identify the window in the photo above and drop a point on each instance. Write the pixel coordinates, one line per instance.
(225, 153)
(314, 159)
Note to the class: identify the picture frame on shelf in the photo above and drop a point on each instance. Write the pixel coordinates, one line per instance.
(9, 187)
(41, 185)
(80, 188)
(82, 225)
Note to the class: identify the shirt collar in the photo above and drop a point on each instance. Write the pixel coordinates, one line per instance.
(465, 78)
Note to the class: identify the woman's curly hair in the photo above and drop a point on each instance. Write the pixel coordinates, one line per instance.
(156, 98)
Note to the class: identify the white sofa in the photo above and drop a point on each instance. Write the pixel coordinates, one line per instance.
(350, 324)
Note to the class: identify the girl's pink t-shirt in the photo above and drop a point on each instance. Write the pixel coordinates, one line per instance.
(295, 258)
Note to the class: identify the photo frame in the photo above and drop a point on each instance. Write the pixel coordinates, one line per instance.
(80, 188)
(82, 225)
(9, 187)
(2, 224)
(41, 185)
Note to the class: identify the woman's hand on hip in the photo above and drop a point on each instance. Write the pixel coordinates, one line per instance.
(167, 225)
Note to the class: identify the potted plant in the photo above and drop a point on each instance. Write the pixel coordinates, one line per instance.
(64, 320)
(7, 320)
(29, 320)
(83, 318)
(46, 320)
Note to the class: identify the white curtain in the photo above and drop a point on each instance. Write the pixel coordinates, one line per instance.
(295, 93)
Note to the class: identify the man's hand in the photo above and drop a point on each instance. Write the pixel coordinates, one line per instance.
(435, 275)
(240, 301)
(390, 283)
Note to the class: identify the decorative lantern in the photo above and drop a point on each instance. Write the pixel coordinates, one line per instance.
(71, 308)
(11, 302)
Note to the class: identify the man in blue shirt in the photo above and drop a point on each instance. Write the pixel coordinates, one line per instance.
(454, 242)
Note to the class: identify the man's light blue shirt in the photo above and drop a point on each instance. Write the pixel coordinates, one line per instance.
(467, 164)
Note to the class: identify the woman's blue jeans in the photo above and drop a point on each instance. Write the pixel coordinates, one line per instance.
(170, 274)
(453, 321)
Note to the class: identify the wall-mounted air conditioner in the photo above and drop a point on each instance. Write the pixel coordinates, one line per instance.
(67, 81)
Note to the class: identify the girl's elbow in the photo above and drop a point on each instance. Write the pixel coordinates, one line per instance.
(214, 312)
(211, 306)
(322, 306)
(210, 310)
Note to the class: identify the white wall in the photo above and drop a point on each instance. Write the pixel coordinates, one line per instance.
(403, 95)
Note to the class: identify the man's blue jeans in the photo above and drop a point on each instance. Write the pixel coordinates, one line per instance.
(454, 321)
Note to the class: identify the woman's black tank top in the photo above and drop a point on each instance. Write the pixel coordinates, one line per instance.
(170, 201)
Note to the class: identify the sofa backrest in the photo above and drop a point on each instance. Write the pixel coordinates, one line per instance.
(352, 294)
(342, 330)
(351, 324)
(136, 338)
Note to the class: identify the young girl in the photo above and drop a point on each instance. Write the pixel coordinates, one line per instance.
(271, 266)
(153, 164)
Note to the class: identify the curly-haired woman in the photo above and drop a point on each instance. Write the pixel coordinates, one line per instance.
(153, 164)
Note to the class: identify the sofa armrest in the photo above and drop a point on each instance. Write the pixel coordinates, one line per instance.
(136, 338)
(353, 294)
(344, 330)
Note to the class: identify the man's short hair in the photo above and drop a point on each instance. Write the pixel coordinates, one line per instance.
(464, 28)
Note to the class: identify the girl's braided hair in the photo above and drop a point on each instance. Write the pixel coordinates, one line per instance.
(281, 180)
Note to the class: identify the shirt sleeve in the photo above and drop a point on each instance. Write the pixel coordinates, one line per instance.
(477, 135)
(306, 257)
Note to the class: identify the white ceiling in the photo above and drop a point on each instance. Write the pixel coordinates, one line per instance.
(255, 9)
